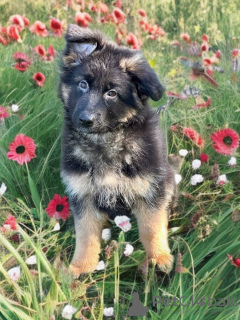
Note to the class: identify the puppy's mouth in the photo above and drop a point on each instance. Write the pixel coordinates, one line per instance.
(91, 130)
(99, 129)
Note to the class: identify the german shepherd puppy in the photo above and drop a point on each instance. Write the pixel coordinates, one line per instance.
(114, 157)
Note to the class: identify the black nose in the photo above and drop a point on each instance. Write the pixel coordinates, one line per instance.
(86, 119)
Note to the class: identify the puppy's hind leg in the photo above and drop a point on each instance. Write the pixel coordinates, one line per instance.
(153, 233)
(88, 228)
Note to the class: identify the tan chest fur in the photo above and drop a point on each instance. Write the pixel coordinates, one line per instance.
(107, 183)
(108, 187)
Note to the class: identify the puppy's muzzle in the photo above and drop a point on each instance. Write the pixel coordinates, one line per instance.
(86, 119)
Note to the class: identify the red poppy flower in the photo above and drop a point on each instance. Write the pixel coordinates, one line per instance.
(39, 78)
(142, 12)
(156, 31)
(39, 29)
(119, 35)
(58, 207)
(234, 262)
(118, 15)
(109, 18)
(22, 61)
(17, 20)
(56, 26)
(26, 21)
(175, 43)
(204, 157)
(39, 49)
(15, 238)
(194, 136)
(46, 55)
(21, 66)
(3, 40)
(50, 53)
(218, 54)
(20, 57)
(204, 46)
(205, 38)
(133, 41)
(118, 3)
(3, 30)
(175, 128)
(235, 53)
(207, 62)
(10, 223)
(13, 32)
(185, 36)
(82, 19)
(87, 16)
(144, 25)
(226, 141)
(22, 149)
(3, 113)
(92, 7)
(103, 7)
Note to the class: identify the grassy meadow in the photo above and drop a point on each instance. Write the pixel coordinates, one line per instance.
(204, 228)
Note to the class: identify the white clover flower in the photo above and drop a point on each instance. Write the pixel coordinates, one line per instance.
(128, 250)
(222, 179)
(196, 164)
(183, 152)
(178, 178)
(31, 260)
(56, 227)
(3, 189)
(232, 162)
(123, 222)
(108, 312)
(14, 273)
(68, 312)
(106, 234)
(15, 108)
(101, 265)
(196, 178)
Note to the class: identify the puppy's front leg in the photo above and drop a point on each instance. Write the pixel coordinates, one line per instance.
(153, 233)
(88, 228)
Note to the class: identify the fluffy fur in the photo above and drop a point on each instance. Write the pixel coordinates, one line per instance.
(114, 158)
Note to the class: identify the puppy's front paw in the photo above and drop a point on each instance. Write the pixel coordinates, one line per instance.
(81, 267)
(165, 262)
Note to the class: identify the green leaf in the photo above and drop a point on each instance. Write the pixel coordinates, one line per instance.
(34, 192)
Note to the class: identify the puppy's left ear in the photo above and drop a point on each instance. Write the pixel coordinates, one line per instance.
(147, 82)
(81, 42)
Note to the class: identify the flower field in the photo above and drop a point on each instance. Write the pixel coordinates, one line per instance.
(195, 50)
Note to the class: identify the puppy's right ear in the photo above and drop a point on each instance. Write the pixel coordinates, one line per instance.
(81, 42)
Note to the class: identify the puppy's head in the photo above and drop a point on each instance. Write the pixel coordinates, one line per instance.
(103, 85)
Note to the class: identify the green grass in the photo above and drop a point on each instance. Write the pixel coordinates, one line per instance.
(204, 249)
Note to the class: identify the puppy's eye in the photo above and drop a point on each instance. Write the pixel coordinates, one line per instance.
(112, 93)
(83, 85)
